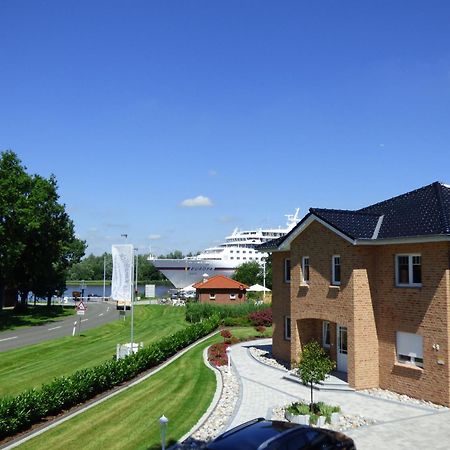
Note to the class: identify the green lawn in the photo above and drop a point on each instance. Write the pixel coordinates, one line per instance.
(34, 315)
(182, 392)
(34, 365)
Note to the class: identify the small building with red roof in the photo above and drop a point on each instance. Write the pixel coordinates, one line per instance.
(221, 290)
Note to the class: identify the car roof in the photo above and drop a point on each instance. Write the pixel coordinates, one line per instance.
(250, 435)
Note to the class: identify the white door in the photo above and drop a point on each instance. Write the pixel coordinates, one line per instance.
(341, 348)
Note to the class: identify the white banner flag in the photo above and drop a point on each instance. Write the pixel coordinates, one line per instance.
(122, 275)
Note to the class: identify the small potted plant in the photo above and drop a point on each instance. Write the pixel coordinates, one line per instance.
(298, 412)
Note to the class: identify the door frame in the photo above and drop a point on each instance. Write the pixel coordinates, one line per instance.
(341, 357)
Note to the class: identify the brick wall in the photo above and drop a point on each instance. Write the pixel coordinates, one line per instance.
(423, 311)
(281, 306)
(222, 296)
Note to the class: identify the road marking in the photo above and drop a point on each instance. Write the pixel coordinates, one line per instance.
(100, 315)
(54, 328)
(107, 309)
(8, 339)
(85, 320)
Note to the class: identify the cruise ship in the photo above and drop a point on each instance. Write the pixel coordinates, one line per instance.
(237, 249)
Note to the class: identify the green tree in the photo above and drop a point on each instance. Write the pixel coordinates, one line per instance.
(314, 366)
(247, 273)
(251, 273)
(177, 254)
(15, 186)
(37, 235)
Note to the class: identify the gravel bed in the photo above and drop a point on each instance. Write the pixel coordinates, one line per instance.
(267, 358)
(219, 417)
(389, 395)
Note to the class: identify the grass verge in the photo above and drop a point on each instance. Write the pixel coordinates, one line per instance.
(32, 316)
(34, 365)
(182, 392)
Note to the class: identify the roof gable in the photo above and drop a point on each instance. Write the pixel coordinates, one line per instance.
(220, 282)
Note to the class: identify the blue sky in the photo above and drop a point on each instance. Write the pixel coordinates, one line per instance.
(256, 107)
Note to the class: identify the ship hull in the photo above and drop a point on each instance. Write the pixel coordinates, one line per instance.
(184, 272)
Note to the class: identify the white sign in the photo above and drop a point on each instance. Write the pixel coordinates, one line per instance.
(81, 309)
(81, 306)
(122, 275)
(149, 290)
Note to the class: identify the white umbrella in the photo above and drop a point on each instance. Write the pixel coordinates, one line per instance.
(257, 288)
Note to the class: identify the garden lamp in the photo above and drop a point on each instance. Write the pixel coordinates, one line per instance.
(163, 421)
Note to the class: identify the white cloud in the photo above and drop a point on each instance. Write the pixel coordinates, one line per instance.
(212, 173)
(154, 237)
(200, 200)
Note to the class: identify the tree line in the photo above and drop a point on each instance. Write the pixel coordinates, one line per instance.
(91, 268)
(37, 238)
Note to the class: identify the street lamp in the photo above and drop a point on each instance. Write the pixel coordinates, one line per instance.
(228, 350)
(163, 421)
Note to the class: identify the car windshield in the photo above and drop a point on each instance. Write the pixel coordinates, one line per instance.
(251, 437)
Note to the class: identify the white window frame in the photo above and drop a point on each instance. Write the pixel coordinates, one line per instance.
(335, 282)
(232, 296)
(212, 296)
(304, 280)
(411, 257)
(325, 329)
(286, 272)
(287, 329)
(409, 348)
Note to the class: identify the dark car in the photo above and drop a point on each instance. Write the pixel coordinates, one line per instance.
(261, 434)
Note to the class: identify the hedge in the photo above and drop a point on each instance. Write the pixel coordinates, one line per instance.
(196, 312)
(17, 413)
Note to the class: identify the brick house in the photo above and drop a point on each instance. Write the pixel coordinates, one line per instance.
(373, 287)
(221, 290)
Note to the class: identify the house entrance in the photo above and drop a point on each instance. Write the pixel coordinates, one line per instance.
(341, 348)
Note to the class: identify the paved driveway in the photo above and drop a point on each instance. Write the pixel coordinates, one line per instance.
(399, 426)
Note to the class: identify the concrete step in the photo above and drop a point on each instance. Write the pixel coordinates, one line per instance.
(331, 383)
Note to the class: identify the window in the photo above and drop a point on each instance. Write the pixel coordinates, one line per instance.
(326, 334)
(408, 270)
(305, 270)
(287, 270)
(336, 270)
(212, 296)
(287, 328)
(409, 348)
(232, 296)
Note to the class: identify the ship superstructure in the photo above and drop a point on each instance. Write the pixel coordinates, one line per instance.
(223, 259)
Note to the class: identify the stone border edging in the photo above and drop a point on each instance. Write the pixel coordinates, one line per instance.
(213, 404)
(55, 423)
(263, 363)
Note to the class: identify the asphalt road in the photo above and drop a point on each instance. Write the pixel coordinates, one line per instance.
(97, 313)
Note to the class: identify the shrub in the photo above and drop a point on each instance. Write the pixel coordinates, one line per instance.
(196, 312)
(262, 317)
(298, 408)
(261, 329)
(19, 412)
(236, 321)
(226, 334)
(217, 354)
